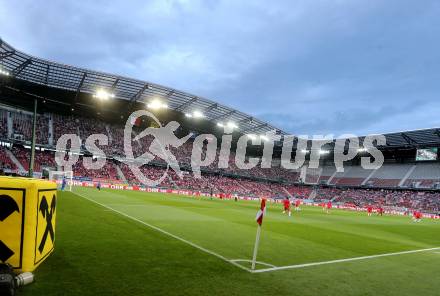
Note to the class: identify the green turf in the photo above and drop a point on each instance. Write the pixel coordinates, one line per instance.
(99, 252)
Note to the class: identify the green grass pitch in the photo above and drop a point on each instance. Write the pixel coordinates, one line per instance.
(101, 252)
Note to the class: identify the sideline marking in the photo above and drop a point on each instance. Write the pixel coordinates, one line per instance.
(342, 260)
(165, 232)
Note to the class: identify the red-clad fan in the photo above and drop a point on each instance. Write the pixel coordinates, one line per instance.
(369, 210)
(286, 204)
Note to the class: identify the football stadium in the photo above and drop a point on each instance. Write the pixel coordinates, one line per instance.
(114, 185)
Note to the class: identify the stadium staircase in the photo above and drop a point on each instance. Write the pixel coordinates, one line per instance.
(368, 178)
(110, 137)
(287, 192)
(241, 186)
(172, 182)
(15, 160)
(50, 134)
(10, 124)
(331, 177)
(410, 171)
(120, 174)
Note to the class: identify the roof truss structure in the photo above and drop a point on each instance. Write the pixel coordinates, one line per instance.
(83, 81)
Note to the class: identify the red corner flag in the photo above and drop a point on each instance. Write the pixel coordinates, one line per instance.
(261, 212)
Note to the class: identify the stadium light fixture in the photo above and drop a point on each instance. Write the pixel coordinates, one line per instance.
(156, 105)
(4, 72)
(232, 125)
(198, 114)
(195, 114)
(103, 95)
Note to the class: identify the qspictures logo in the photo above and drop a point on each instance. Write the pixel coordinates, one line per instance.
(205, 150)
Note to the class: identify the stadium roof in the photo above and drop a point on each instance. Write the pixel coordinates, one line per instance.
(43, 72)
(46, 73)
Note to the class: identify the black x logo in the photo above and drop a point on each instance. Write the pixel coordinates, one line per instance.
(7, 207)
(48, 214)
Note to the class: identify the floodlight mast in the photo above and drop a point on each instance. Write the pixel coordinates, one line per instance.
(34, 127)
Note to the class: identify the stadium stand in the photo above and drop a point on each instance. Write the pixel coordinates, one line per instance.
(326, 174)
(424, 175)
(3, 123)
(389, 175)
(352, 176)
(5, 160)
(426, 201)
(16, 131)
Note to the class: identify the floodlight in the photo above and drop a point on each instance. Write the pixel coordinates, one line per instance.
(156, 105)
(231, 124)
(198, 114)
(195, 114)
(103, 95)
(4, 72)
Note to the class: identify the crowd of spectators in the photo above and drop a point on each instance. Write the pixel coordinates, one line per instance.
(406, 199)
(221, 184)
(5, 161)
(42, 158)
(22, 126)
(3, 123)
(87, 126)
(230, 180)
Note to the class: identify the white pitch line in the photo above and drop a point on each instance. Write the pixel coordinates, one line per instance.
(342, 260)
(258, 262)
(166, 232)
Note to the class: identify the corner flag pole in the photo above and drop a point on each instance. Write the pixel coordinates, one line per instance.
(259, 219)
(257, 242)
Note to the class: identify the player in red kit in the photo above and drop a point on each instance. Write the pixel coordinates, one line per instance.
(369, 210)
(286, 204)
(380, 211)
(417, 216)
(297, 205)
(329, 206)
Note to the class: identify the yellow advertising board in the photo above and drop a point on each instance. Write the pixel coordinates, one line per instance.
(27, 221)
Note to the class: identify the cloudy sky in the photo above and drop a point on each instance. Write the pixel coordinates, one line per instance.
(308, 67)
